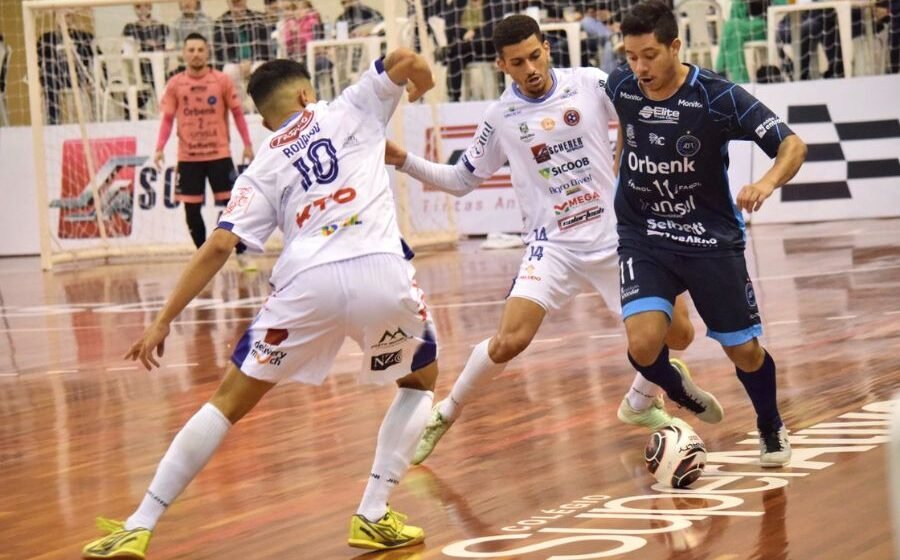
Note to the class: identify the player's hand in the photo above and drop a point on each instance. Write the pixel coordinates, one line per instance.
(248, 154)
(752, 196)
(159, 160)
(154, 338)
(394, 154)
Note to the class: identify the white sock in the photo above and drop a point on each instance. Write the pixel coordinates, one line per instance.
(642, 392)
(479, 368)
(400, 432)
(187, 454)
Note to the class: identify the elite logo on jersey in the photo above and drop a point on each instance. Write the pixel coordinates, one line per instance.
(658, 115)
(292, 134)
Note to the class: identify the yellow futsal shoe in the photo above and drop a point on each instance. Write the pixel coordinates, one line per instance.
(391, 531)
(701, 403)
(435, 429)
(654, 417)
(119, 543)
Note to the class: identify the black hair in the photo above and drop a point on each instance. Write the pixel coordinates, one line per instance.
(195, 37)
(651, 16)
(513, 30)
(270, 76)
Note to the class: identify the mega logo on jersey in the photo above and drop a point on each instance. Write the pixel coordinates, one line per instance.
(293, 133)
(115, 185)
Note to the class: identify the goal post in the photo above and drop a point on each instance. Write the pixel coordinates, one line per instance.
(94, 98)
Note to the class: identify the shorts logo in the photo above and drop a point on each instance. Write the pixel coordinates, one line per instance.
(527, 273)
(265, 350)
(751, 295)
(383, 361)
(571, 117)
(688, 145)
(392, 338)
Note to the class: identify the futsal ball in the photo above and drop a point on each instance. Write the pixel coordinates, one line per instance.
(675, 456)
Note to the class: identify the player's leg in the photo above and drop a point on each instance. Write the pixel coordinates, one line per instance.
(643, 404)
(189, 187)
(730, 311)
(398, 338)
(649, 289)
(187, 454)
(222, 175)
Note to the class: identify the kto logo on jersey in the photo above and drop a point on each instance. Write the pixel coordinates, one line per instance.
(578, 166)
(768, 124)
(691, 104)
(645, 165)
(265, 351)
(542, 152)
(570, 204)
(293, 134)
(580, 218)
(115, 185)
(658, 115)
(340, 196)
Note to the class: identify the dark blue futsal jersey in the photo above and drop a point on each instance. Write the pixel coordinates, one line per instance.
(673, 181)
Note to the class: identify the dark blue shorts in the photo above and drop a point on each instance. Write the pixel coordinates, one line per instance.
(650, 280)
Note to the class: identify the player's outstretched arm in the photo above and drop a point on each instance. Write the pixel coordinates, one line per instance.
(403, 65)
(207, 261)
(791, 155)
(452, 179)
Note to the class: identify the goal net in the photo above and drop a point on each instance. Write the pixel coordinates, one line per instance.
(96, 73)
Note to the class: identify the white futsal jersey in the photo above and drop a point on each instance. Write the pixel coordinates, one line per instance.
(321, 179)
(559, 156)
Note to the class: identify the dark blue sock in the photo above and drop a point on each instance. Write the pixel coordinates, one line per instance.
(760, 385)
(660, 372)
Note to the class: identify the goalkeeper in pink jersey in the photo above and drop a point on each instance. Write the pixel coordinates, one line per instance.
(200, 98)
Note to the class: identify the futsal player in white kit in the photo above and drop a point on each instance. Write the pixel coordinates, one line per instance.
(551, 125)
(320, 178)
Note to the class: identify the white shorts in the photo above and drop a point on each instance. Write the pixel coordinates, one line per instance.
(551, 276)
(372, 299)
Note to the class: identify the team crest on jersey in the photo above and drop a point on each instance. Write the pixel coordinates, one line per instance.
(211, 99)
(629, 136)
(525, 134)
(548, 124)
(293, 134)
(688, 145)
(571, 117)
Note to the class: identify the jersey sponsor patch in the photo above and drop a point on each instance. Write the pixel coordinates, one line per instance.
(687, 145)
(292, 134)
(571, 117)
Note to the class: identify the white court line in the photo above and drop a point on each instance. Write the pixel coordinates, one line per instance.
(58, 371)
(890, 312)
(776, 323)
(122, 368)
(9, 375)
(355, 354)
(541, 340)
(605, 336)
(182, 365)
(840, 317)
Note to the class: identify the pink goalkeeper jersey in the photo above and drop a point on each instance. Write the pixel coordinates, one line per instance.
(201, 106)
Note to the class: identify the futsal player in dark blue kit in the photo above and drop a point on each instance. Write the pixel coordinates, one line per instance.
(679, 228)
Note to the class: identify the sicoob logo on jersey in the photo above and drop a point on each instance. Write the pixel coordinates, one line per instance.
(265, 350)
(292, 134)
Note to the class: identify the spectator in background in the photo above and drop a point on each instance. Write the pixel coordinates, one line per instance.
(150, 36)
(302, 24)
(242, 43)
(470, 28)
(54, 66)
(192, 20)
(746, 22)
(273, 14)
(360, 18)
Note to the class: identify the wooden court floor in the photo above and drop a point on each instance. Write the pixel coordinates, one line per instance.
(537, 468)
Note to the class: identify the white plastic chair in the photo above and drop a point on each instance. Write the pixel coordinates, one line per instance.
(695, 18)
(117, 71)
